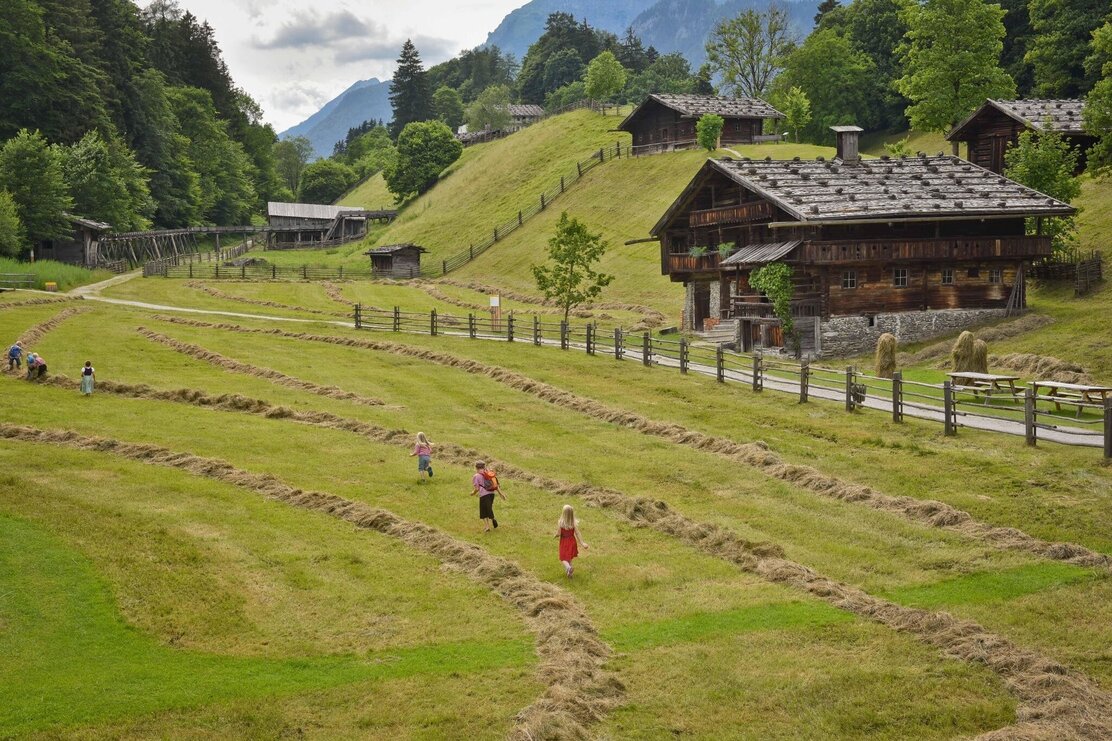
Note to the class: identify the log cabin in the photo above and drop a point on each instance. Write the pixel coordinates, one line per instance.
(916, 246)
(996, 125)
(396, 260)
(82, 247)
(667, 121)
(295, 225)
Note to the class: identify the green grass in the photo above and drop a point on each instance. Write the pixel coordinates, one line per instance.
(917, 141)
(65, 275)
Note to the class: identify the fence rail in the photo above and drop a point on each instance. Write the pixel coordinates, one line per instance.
(1085, 272)
(175, 266)
(954, 406)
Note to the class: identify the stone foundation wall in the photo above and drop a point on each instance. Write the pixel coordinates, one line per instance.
(851, 335)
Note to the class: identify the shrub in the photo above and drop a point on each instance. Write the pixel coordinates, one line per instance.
(886, 355)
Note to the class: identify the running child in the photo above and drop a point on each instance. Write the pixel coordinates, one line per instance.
(423, 450)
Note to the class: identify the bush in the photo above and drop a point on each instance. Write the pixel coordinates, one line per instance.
(65, 275)
(886, 355)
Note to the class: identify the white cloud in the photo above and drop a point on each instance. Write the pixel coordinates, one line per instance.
(307, 30)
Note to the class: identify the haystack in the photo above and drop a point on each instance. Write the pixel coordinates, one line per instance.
(886, 355)
(961, 355)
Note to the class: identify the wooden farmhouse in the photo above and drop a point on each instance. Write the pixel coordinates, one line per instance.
(81, 248)
(916, 246)
(667, 121)
(997, 124)
(295, 225)
(396, 261)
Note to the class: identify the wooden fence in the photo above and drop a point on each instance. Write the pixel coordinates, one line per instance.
(954, 406)
(1084, 271)
(176, 265)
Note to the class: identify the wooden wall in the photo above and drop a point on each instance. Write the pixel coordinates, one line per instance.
(876, 293)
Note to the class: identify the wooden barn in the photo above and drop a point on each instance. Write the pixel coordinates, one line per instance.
(82, 248)
(917, 246)
(524, 114)
(295, 225)
(396, 261)
(666, 120)
(997, 124)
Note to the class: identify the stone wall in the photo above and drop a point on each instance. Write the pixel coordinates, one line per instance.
(852, 335)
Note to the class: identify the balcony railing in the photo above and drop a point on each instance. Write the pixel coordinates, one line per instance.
(751, 307)
(685, 263)
(740, 214)
(943, 248)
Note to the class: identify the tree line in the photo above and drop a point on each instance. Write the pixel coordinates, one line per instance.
(123, 115)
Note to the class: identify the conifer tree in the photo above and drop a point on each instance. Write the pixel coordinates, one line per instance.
(409, 90)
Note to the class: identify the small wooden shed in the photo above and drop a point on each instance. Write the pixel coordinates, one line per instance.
(82, 248)
(396, 260)
(996, 125)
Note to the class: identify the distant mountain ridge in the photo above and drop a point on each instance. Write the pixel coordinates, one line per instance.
(363, 101)
(521, 27)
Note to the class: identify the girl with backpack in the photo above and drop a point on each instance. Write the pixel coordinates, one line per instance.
(567, 530)
(423, 450)
(88, 377)
(486, 486)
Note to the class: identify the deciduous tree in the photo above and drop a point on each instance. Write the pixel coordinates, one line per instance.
(569, 277)
(605, 77)
(31, 171)
(13, 239)
(291, 156)
(1061, 33)
(749, 50)
(796, 107)
(708, 130)
(448, 106)
(775, 281)
(491, 110)
(324, 181)
(952, 61)
(107, 183)
(1097, 114)
(1046, 162)
(424, 150)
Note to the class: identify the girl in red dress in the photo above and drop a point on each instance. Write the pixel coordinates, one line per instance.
(568, 533)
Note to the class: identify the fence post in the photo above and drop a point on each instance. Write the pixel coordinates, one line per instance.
(471, 251)
(590, 339)
(618, 350)
(217, 267)
(536, 330)
(948, 427)
(579, 169)
(542, 201)
(495, 234)
(719, 364)
(305, 272)
(471, 326)
(242, 272)
(443, 267)
(563, 335)
(849, 389)
(758, 371)
(358, 316)
(897, 396)
(510, 328)
(647, 349)
(519, 218)
(804, 380)
(618, 149)
(683, 355)
(273, 272)
(1108, 428)
(397, 319)
(1030, 431)
(432, 322)
(190, 268)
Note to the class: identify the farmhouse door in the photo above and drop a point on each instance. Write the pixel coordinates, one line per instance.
(999, 145)
(702, 304)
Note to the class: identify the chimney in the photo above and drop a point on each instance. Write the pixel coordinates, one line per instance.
(847, 143)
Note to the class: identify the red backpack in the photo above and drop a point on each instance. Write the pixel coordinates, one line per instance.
(490, 480)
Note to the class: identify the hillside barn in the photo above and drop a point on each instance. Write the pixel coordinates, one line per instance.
(524, 114)
(295, 225)
(396, 261)
(82, 247)
(667, 121)
(996, 125)
(915, 246)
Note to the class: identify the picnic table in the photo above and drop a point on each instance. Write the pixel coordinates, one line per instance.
(1072, 393)
(985, 383)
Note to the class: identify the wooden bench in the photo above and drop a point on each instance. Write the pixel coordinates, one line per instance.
(1079, 394)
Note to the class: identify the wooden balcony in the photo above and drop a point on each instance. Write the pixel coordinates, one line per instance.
(751, 306)
(943, 248)
(742, 214)
(685, 263)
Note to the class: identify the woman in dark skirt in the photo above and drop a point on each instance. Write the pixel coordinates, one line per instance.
(485, 485)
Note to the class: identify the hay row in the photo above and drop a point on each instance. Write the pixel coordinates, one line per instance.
(217, 293)
(579, 690)
(235, 366)
(1055, 702)
(1007, 330)
(36, 301)
(756, 455)
(37, 332)
(333, 292)
(1044, 367)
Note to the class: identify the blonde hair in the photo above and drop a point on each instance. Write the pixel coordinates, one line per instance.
(567, 519)
(423, 440)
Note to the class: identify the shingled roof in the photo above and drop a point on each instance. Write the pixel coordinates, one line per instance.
(526, 110)
(892, 189)
(694, 106)
(1061, 115)
(307, 210)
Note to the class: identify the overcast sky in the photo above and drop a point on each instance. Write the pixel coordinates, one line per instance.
(293, 56)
